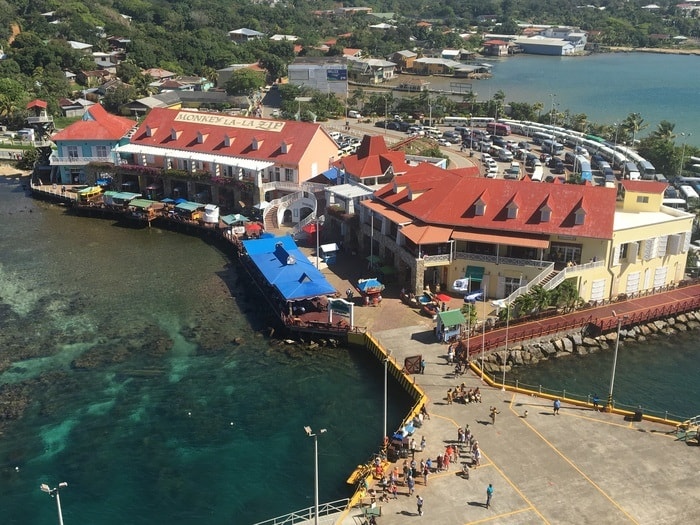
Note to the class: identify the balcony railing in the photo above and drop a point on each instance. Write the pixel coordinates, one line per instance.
(497, 259)
(78, 161)
(39, 120)
(436, 260)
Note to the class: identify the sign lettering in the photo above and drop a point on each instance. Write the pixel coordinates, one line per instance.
(229, 121)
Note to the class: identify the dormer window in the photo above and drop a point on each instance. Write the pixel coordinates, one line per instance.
(512, 210)
(579, 216)
(227, 141)
(150, 131)
(174, 134)
(285, 146)
(256, 144)
(201, 137)
(545, 213)
(479, 207)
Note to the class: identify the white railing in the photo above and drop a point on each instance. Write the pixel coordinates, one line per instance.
(72, 161)
(501, 260)
(529, 286)
(292, 186)
(437, 259)
(276, 204)
(325, 509)
(570, 271)
(39, 120)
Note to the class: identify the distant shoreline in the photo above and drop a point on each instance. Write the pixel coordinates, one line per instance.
(660, 51)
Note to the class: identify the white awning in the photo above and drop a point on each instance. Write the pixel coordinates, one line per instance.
(238, 162)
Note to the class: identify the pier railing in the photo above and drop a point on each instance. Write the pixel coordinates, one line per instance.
(307, 514)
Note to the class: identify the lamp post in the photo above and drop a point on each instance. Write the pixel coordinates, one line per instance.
(609, 406)
(505, 352)
(551, 115)
(319, 222)
(430, 112)
(680, 168)
(386, 395)
(386, 114)
(310, 433)
(483, 334)
(53, 492)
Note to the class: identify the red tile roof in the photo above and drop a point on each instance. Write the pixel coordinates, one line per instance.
(241, 131)
(446, 198)
(644, 186)
(373, 159)
(96, 124)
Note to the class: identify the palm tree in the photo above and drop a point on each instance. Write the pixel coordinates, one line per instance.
(542, 298)
(634, 123)
(664, 131)
(566, 295)
(524, 304)
(538, 106)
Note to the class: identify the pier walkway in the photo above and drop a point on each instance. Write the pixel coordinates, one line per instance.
(582, 466)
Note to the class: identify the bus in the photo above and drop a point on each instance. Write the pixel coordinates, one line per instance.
(678, 204)
(538, 137)
(498, 128)
(480, 122)
(646, 169)
(456, 121)
(582, 166)
(552, 147)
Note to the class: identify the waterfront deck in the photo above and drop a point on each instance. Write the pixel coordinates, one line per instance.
(583, 466)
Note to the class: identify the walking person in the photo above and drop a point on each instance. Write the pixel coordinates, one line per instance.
(557, 406)
(422, 366)
(493, 415)
(419, 502)
(411, 485)
(489, 495)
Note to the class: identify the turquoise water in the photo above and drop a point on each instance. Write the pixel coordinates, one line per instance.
(143, 377)
(606, 87)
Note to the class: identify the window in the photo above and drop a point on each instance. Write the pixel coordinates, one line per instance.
(288, 174)
(643, 199)
(101, 151)
(512, 210)
(545, 213)
(72, 152)
(580, 216)
(277, 174)
(479, 207)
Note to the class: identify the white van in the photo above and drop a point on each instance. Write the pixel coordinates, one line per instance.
(537, 173)
(354, 114)
(688, 192)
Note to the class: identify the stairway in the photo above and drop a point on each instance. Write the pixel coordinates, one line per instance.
(271, 218)
(548, 278)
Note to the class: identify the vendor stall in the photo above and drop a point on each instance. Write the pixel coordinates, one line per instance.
(450, 324)
(371, 290)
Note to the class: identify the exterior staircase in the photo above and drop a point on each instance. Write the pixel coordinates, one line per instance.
(271, 218)
(551, 275)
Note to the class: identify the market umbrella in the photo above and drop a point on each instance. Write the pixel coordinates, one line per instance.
(309, 228)
(370, 286)
(443, 298)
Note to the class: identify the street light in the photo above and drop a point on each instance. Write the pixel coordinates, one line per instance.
(609, 406)
(319, 222)
(386, 396)
(315, 436)
(483, 334)
(505, 352)
(551, 116)
(53, 492)
(680, 168)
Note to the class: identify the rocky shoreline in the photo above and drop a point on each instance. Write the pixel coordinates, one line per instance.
(581, 342)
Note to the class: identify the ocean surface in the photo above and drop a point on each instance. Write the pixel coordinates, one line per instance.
(139, 372)
(606, 87)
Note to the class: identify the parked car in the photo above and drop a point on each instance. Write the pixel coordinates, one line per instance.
(444, 142)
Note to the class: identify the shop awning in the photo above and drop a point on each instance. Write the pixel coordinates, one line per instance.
(426, 234)
(525, 241)
(475, 273)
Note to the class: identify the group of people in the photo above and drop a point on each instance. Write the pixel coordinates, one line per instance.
(460, 394)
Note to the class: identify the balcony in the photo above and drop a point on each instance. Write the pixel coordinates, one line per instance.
(39, 120)
(78, 161)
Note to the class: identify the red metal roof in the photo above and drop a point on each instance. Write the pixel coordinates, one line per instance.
(443, 197)
(96, 124)
(36, 103)
(217, 129)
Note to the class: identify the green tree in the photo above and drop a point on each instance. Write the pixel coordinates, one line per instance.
(116, 97)
(244, 82)
(566, 295)
(633, 124)
(12, 96)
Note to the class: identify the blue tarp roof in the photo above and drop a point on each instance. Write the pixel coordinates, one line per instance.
(286, 268)
(370, 285)
(332, 174)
